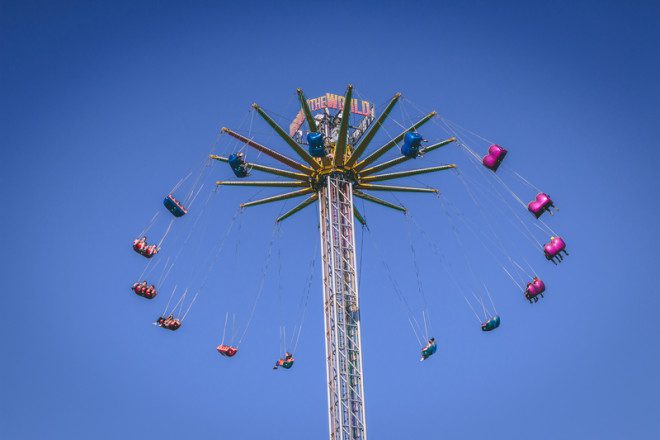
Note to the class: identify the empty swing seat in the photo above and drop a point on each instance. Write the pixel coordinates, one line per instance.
(540, 204)
(494, 158)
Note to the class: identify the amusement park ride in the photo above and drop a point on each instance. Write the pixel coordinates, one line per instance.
(332, 170)
(338, 171)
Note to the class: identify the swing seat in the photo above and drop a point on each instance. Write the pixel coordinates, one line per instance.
(144, 291)
(139, 244)
(491, 324)
(174, 206)
(238, 166)
(554, 247)
(494, 158)
(227, 350)
(149, 251)
(285, 363)
(149, 293)
(429, 350)
(534, 289)
(316, 147)
(540, 204)
(539, 285)
(411, 143)
(171, 324)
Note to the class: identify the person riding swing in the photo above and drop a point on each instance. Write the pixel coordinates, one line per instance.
(430, 348)
(285, 363)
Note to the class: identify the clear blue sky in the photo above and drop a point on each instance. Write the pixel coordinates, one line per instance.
(105, 105)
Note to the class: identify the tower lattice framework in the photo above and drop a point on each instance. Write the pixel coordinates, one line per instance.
(334, 180)
(341, 307)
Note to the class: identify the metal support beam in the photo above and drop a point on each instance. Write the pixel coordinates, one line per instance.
(341, 307)
(340, 149)
(265, 169)
(335, 186)
(289, 195)
(272, 153)
(397, 175)
(359, 217)
(311, 122)
(377, 200)
(372, 187)
(357, 152)
(385, 148)
(402, 158)
(304, 155)
(272, 183)
(311, 199)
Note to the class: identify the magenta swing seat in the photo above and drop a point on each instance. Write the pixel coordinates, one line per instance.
(554, 249)
(534, 290)
(494, 158)
(540, 204)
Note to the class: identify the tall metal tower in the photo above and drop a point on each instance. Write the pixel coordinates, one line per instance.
(334, 180)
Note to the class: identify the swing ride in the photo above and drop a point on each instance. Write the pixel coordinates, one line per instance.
(331, 166)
